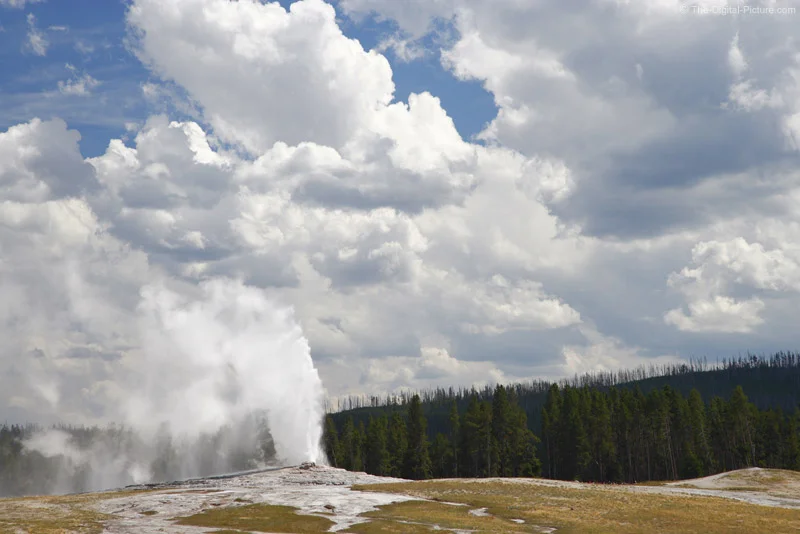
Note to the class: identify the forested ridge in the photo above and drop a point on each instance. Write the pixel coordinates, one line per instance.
(666, 423)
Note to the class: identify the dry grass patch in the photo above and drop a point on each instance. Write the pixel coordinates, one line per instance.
(427, 516)
(591, 510)
(54, 514)
(258, 518)
(773, 482)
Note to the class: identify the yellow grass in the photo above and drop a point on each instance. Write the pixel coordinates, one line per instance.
(571, 510)
(416, 516)
(57, 514)
(258, 518)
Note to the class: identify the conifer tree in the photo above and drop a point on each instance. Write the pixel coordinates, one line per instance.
(718, 435)
(359, 447)
(790, 455)
(397, 444)
(696, 460)
(573, 441)
(377, 454)
(522, 446)
(740, 418)
(487, 452)
(417, 461)
(501, 432)
(455, 430)
(601, 439)
(441, 457)
(470, 447)
(348, 445)
(622, 432)
(551, 419)
(769, 438)
(331, 442)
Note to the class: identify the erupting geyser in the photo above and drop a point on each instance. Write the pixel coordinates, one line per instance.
(222, 380)
(222, 358)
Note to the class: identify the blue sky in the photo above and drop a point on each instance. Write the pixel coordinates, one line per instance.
(91, 36)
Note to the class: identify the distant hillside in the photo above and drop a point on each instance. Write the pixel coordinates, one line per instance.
(769, 381)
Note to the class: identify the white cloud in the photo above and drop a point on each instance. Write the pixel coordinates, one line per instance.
(495, 306)
(79, 84)
(603, 353)
(84, 47)
(745, 97)
(719, 314)
(412, 257)
(545, 106)
(256, 48)
(737, 261)
(432, 367)
(36, 40)
(405, 50)
(19, 4)
(736, 59)
(352, 272)
(40, 161)
(791, 127)
(783, 98)
(722, 267)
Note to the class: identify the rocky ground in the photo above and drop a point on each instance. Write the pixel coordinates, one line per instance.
(315, 490)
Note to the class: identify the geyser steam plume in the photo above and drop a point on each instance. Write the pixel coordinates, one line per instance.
(222, 358)
(210, 368)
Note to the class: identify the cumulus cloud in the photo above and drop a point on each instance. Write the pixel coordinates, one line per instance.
(655, 164)
(728, 266)
(41, 161)
(351, 273)
(412, 257)
(257, 48)
(567, 85)
(345, 233)
(718, 314)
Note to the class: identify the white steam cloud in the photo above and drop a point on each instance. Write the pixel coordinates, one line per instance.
(223, 381)
(220, 359)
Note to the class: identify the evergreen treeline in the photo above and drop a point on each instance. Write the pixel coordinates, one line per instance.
(770, 382)
(489, 439)
(626, 426)
(623, 435)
